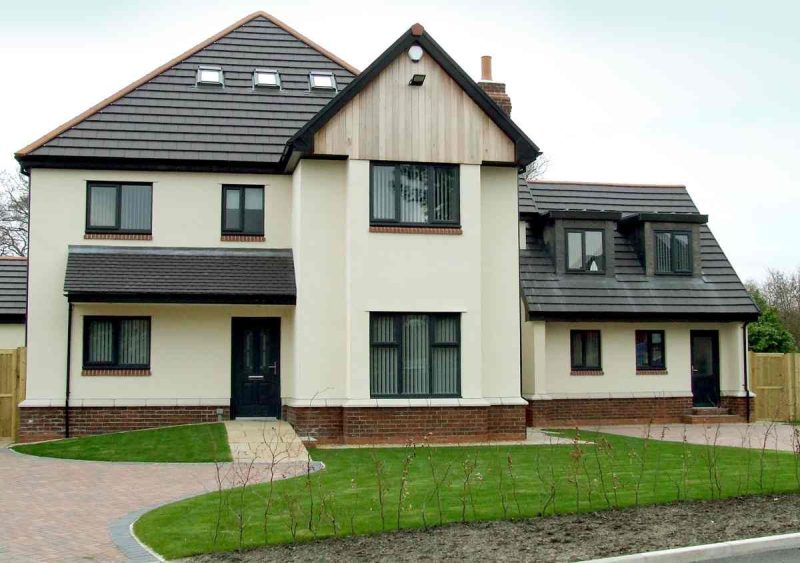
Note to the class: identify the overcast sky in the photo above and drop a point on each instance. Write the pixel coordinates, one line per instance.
(705, 94)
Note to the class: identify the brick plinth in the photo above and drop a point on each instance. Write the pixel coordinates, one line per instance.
(47, 423)
(587, 412)
(368, 425)
(737, 406)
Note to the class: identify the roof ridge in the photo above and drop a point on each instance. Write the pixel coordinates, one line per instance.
(47, 137)
(609, 184)
(17, 258)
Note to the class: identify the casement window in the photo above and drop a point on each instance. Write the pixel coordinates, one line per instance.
(414, 194)
(585, 251)
(585, 350)
(415, 355)
(125, 207)
(116, 342)
(243, 210)
(650, 350)
(673, 254)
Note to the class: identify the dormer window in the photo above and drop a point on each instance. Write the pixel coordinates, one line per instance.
(322, 81)
(585, 251)
(673, 254)
(264, 78)
(211, 75)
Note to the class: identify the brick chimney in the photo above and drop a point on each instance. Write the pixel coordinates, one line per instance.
(496, 90)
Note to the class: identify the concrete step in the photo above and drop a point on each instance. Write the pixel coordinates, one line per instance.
(708, 411)
(711, 419)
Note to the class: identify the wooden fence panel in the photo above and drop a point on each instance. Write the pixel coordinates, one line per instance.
(775, 380)
(12, 390)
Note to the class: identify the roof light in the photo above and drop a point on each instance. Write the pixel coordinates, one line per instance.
(322, 81)
(210, 75)
(265, 78)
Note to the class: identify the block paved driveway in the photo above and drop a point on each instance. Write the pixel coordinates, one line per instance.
(65, 510)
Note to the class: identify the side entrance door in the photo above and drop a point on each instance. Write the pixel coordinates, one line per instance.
(255, 370)
(705, 367)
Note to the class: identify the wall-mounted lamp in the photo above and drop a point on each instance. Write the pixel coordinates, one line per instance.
(417, 80)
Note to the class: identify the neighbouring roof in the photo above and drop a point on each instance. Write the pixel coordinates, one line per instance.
(165, 116)
(13, 288)
(179, 275)
(526, 149)
(717, 292)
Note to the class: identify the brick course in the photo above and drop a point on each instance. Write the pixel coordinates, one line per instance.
(570, 412)
(367, 425)
(47, 423)
(737, 406)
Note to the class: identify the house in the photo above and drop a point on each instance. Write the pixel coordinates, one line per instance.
(13, 289)
(257, 229)
(632, 311)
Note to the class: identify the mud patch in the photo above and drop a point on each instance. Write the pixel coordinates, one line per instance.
(556, 538)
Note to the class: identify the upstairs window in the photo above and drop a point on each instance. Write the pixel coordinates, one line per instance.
(119, 207)
(212, 75)
(263, 78)
(585, 350)
(585, 251)
(322, 81)
(650, 350)
(673, 252)
(116, 342)
(415, 355)
(414, 194)
(243, 210)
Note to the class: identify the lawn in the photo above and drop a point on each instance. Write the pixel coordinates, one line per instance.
(190, 443)
(365, 491)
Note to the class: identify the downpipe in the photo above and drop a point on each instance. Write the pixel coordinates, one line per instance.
(69, 350)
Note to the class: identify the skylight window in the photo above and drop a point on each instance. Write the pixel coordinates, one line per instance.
(265, 78)
(322, 81)
(210, 75)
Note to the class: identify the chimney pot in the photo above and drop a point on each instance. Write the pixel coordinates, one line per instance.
(486, 67)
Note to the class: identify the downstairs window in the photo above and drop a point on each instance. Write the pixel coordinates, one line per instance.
(650, 350)
(585, 350)
(415, 355)
(116, 342)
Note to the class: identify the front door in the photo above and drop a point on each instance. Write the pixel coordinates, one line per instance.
(705, 367)
(255, 371)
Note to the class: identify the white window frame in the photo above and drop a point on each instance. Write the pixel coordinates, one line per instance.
(200, 70)
(258, 71)
(314, 73)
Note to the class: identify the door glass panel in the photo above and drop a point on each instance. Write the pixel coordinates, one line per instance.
(249, 350)
(703, 355)
(264, 356)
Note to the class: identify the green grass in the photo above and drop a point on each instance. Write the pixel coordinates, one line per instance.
(190, 443)
(507, 482)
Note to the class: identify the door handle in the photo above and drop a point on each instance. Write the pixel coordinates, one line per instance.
(255, 377)
(273, 367)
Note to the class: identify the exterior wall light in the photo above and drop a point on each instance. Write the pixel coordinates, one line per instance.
(417, 80)
(415, 53)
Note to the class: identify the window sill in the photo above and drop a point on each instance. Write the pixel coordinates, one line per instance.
(586, 372)
(117, 236)
(417, 230)
(243, 238)
(89, 372)
(652, 372)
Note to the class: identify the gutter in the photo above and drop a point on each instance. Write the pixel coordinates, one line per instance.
(69, 350)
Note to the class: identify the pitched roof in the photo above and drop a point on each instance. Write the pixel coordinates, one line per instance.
(526, 150)
(165, 116)
(717, 292)
(179, 275)
(13, 288)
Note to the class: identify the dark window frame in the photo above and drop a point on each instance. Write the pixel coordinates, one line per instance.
(398, 345)
(241, 188)
(396, 222)
(649, 344)
(583, 366)
(117, 228)
(582, 232)
(116, 335)
(673, 271)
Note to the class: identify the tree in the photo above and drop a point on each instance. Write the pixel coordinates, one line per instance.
(782, 292)
(14, 213)
(768, 334)
(537, 168)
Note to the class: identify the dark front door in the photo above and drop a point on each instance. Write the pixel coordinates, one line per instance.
(256, 373)
(705, 367)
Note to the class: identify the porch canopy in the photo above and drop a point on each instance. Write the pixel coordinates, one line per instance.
(103, 274)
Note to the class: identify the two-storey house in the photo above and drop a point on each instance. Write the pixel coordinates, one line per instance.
(257, 229)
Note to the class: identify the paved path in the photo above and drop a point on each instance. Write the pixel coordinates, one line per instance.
(264, 441)
(64, 510)
(778, 435)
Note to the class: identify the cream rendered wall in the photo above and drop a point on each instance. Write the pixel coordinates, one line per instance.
(619, 361)
(186, 212)
(12, 336)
